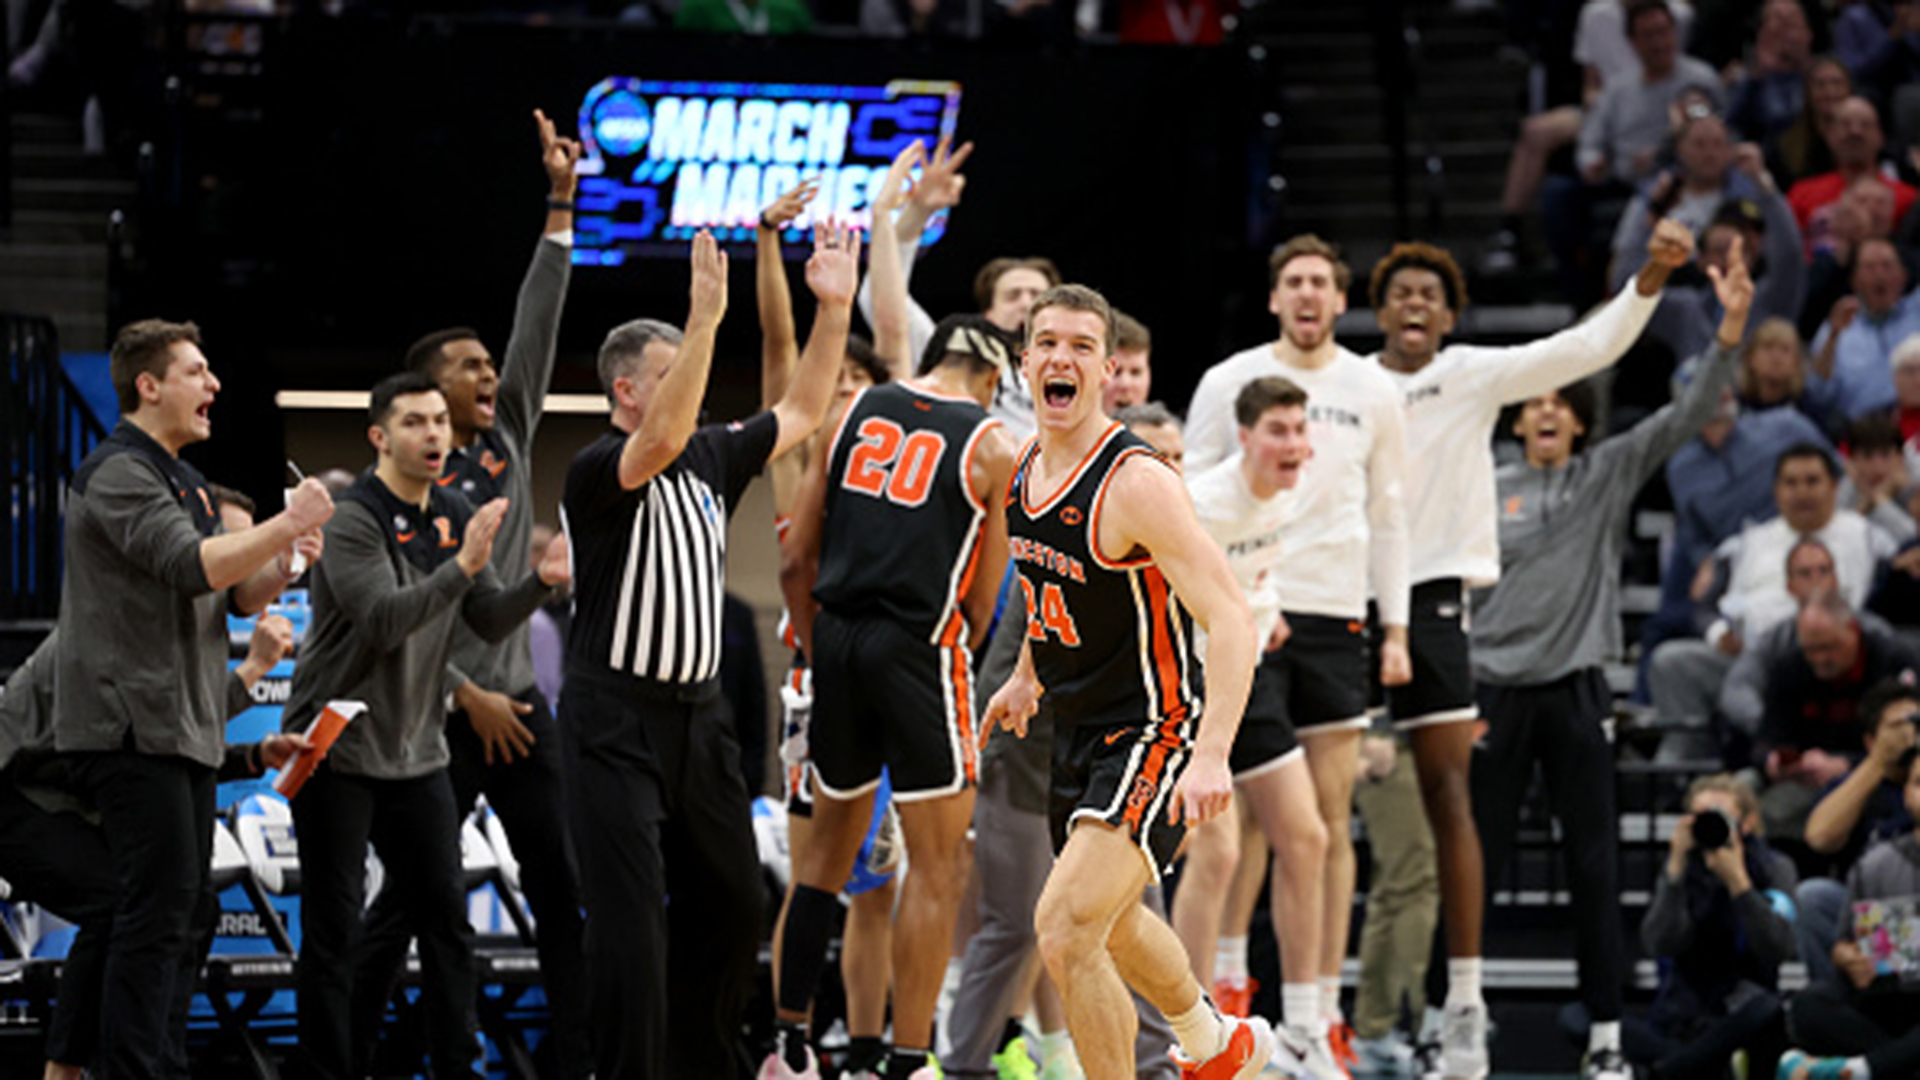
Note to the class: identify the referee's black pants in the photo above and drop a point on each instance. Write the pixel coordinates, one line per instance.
(669, 871)
(156, 813)
(1562, 726)
(60, 861)
(416, 833)
(527, 794)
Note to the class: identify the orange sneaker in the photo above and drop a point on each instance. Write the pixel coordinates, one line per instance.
(1340, 1034)
(1233, 995)
(1249, 1048)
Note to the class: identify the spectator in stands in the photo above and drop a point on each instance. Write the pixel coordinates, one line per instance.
(1750, 574)
(1720, 925)
(1774, 377)
(1861, 809)
(1772, 93)
(1870, 1028)
(757, 17)
(1877, 475)
(1810, 733)
(1132, 382)
(1743, 697)
(1852, 370)
(1856, 139)
(1620, 138)
(1157, 424)
(1723, 480)
(1601, 48)
(1906, 394)
(1880, 42)
(1753, 212)
(1896, 598)
(1620, 141)
(1864, 212)
(1690, 192)
(1801, 150)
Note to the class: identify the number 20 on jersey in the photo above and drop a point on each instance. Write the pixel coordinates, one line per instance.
(893, 465)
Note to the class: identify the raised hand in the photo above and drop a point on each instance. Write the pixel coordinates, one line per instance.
(893, 190)
(272, 640)
(310, 506)
(1671, 244)
(833, 273)
(482, 529)
(782, 211)
(558, 155)
(941, 184)
(1845, 310)
(1734, 285)
(709, 280)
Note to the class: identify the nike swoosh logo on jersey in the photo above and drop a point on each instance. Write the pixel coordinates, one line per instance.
(1114, 737)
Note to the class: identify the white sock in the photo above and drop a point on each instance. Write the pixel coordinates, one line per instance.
(1430, 1025)
(1858, 1069)
(1330, 998)
(1230, 959)
(1201, 1032)
(1463, 981)
(1300, 1008)
(1603, 1035)
(1050, 1044)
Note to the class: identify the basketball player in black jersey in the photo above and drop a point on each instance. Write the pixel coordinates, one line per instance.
(880, 574)
(1112, 560)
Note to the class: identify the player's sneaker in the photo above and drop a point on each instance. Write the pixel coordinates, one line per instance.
(775, 1068)
(1605, 1065)
(1249, 1049)
(1385, 1056)
(1014, 1063)
(1800, 1065)
(1340, 1038)
(1233, 995)
(1298, 1056)
(1426, 1061)
(1463, 1042)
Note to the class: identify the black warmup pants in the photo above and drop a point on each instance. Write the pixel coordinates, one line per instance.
(668, 867)
(156, 814)
(1883, 1025)
(416, 833)
(527, 794)
(1559, 725)
(61, 862)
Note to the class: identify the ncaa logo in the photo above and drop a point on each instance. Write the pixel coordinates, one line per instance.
(622, 123)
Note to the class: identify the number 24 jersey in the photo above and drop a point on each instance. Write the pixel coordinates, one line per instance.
(1111, 643)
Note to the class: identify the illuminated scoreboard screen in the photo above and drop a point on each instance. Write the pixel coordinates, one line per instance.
(662, 160)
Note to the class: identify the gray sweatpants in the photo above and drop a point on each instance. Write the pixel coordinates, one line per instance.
(1013, 854)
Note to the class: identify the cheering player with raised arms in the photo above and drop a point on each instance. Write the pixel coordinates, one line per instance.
(1111, 561)
(1453, 400)
(888, 536)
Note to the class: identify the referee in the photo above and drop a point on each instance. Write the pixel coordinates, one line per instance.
(661, 805)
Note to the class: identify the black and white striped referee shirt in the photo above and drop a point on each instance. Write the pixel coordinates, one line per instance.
(649, 565)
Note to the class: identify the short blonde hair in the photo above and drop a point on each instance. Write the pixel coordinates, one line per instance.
(1774, 331)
